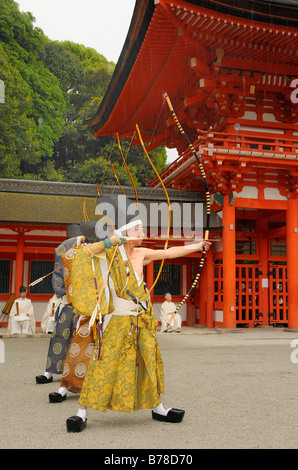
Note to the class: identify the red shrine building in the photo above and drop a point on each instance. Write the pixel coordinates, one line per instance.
(34, 218)
(230, 69)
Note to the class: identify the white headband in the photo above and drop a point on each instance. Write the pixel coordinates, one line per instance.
(130, 225)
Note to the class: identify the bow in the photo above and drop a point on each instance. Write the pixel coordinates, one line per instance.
(117, 179)
(168, 201)
(127, 169)
(208, 209)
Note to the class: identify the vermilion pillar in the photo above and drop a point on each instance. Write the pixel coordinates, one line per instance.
(262, 228)
(292, 262)
(190, 306)
(196, 291)
(203, 295)
(229, 265)
(19, 274)
(209, 289)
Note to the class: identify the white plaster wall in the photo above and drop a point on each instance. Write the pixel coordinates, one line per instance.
(252, 115)
(218, 315)
(248, 192)
(269, 117)
(273, 193)
(251, 192)
(39, 310)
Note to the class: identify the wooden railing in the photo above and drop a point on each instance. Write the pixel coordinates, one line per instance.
(245, 144)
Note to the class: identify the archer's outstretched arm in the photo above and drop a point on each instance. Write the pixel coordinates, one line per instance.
(174, 251)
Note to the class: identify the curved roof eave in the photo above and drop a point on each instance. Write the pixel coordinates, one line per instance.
(141, 18)
(279, 12)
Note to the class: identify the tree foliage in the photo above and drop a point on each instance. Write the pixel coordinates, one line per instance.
(17, 128)
(51, 89)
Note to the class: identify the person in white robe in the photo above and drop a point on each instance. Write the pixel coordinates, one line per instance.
(166, 311)
(22, 320)
(48, 319)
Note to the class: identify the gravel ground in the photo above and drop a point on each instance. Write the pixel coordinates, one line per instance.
(238, 390)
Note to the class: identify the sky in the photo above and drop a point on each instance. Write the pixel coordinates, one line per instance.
(100, 24)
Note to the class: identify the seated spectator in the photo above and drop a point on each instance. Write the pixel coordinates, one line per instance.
(167, 309)
(22, 320)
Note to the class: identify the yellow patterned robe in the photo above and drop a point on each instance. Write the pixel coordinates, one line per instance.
(83, 291)
(115, 382)
(82, 294)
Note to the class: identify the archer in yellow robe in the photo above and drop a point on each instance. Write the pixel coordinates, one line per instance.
(129, 374)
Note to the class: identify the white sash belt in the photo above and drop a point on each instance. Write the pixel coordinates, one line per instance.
(124, 307)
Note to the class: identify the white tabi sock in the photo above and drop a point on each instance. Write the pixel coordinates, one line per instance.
(48, 375)
(62, 391)
(161, 410)
(82, 414)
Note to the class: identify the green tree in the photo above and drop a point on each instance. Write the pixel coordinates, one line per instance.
(64, 65)
(17, 129)
(88, 56)
(79, 151)
(20, 39)
(52, 89)
(44, 105)
(78, 144)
